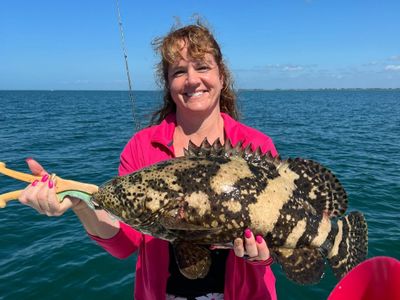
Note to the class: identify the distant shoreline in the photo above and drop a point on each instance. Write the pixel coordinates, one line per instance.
(237, 90)
(321, 89)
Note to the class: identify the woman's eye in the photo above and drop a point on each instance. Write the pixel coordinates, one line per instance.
(178, 73)
(203, 68)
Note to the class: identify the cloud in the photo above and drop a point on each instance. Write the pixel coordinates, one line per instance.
(82, 81)
(371, 63)
(286, 67)
(378, 72)
(392, 68)
(395, 58)
(292, 68)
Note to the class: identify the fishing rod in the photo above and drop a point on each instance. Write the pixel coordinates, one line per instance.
(130, 93)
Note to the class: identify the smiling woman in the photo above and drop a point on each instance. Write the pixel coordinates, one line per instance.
(195, 84)
(199, 104)
(193, 43)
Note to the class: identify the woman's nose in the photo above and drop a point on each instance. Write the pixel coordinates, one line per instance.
(193, 77)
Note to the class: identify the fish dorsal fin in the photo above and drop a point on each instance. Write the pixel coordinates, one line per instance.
(204, 150)
(230, 150)
(216, 149)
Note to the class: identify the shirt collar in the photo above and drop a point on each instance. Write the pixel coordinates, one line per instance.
(229, 124)
(164, 133)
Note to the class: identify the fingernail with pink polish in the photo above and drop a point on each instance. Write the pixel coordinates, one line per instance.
(51, 184)
(247, 233)
(34, 183)
(259, 239)
(44, 178)
(28, 159)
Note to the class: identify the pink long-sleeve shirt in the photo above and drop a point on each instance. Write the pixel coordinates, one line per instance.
(243, 280)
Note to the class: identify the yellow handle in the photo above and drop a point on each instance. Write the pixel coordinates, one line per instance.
(17, 175)
(4, 198)
(61, 186)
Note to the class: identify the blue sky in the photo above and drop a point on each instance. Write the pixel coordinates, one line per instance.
(75, 45)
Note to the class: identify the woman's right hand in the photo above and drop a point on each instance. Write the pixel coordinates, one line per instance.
(41, 194)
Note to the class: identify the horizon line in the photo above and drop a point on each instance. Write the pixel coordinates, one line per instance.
(159, 90)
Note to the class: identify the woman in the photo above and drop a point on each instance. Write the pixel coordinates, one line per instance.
(199, 103)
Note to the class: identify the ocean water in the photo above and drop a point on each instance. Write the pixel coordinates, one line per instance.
(79, 135)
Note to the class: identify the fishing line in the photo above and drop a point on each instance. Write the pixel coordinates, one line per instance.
(130, 93)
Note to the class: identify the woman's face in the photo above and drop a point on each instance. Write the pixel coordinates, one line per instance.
(195, 85)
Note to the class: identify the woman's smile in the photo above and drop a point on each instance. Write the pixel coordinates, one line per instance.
(195, 94)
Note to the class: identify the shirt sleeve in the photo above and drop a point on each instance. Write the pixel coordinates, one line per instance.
(127, 240)
(121, 245)
(251, 136)
(269, 146)
(131, 158)
(259, 140)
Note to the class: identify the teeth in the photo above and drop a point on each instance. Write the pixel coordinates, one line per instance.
(194, 94)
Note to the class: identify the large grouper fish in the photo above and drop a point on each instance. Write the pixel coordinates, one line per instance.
(213, 193)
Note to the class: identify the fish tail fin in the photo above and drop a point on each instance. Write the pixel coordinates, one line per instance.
(350, 244)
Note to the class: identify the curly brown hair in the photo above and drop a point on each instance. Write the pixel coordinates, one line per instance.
(199, 41)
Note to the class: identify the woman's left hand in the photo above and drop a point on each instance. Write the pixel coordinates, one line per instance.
(251, 247)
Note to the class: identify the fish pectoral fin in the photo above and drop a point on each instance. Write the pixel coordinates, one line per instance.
(193, 260)
(303, 265)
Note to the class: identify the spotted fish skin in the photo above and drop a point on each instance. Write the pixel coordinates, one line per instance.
(215, 192)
